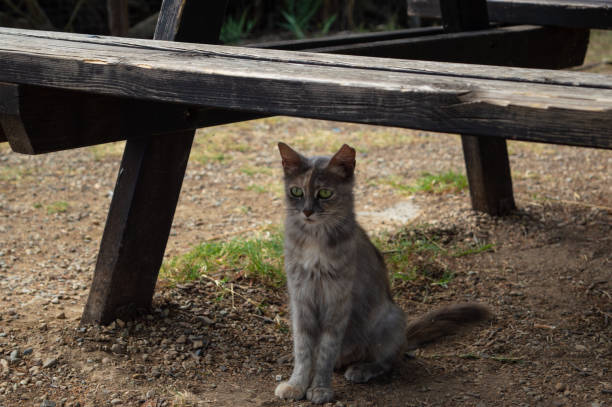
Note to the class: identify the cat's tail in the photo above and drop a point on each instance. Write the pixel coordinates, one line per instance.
(443, 321)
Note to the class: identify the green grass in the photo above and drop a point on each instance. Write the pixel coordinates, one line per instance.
(479, 248)
(57, 207)
(414, 255)
(257, 188)
(256, 258)
(449, 181)
(446, 182)
(418, 254)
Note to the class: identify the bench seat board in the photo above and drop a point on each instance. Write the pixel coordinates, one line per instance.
(563, 13)
(537, 105)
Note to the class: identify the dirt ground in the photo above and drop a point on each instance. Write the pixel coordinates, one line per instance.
(547, 279)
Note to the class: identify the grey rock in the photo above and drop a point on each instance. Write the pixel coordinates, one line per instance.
(14, 355)
(49, 363)
(47, 403)
(118, 348)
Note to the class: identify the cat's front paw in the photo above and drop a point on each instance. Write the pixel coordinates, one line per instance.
(320, 395)
(285, 390)
(358, 373)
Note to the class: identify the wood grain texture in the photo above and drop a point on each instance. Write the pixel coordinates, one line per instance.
(537, 105)
(146, 193)
(56, 119)
(562, 13)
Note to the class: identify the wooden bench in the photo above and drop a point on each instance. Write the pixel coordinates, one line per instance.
(63, 91)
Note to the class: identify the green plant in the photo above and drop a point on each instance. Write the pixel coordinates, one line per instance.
(235, 30)
(298, 16)
(449, 181)
(440, 183)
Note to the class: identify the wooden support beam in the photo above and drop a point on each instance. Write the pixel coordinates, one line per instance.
(118, 17)
(147, 189)
(486, 158)
(562, 13)
(529, 104)
(518, 46)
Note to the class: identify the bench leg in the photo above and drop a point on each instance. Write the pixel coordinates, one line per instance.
(138, 225)
(147, 188)
(488, 172)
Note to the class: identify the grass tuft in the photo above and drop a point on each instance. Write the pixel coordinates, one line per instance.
(57, 207)
(433, 183)
(259, 259)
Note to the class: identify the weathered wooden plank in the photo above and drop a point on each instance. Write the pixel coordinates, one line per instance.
(486, 158)
(147, 190)
(138, 54)
(563, 13)
(538, 105)
(54, 119)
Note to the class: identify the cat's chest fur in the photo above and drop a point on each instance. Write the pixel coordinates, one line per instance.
(310, 256)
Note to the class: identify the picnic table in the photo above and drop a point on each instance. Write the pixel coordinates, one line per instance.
(60, 91)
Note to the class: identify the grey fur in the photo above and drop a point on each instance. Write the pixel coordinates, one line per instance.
(342, 312)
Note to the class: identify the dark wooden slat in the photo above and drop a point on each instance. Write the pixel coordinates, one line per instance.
(486, 158)
(347, 39)
(147, 190)
(118, 17)
(517, 46)
(50, 119)
(562, 13)
(538, 105)
(54, 119)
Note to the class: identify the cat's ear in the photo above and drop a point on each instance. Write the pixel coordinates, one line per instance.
(292, 160)
(343, 162)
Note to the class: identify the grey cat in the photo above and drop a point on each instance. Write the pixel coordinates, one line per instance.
(342, 312)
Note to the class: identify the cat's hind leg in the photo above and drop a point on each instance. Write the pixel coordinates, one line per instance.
(387, 337)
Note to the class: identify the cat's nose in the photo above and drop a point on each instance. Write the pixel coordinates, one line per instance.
(308, 212)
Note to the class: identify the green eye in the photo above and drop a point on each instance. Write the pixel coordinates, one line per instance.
(296, 192)
(324, 193)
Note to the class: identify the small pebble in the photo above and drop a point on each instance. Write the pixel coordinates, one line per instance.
(279, 377)
(14, 356)
(560, 387)
(49, 363)
(61, 315)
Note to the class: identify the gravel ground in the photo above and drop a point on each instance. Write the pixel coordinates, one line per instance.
(547, 278)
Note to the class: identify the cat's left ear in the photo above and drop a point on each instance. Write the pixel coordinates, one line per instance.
(343, 162)
(292, 160)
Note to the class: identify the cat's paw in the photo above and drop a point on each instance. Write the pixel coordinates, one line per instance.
(358, 373)
(285, 390)
(320, 395)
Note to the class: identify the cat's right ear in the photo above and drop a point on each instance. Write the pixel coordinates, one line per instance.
(292, 160)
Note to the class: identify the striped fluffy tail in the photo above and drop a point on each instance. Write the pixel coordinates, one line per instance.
(443, 321)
